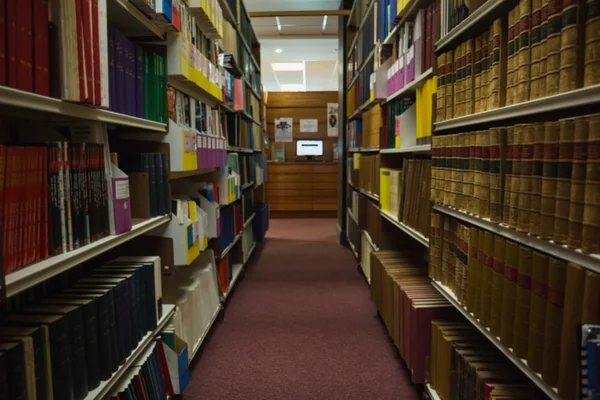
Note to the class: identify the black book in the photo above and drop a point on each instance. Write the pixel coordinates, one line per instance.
(104, 189)
(76, 334)
(122, 304)
(54, 228)
(76, 199)
(14, 355)
(90, 324)
(160, 199)
(39, 353)
(106, 325)
(4, 394)
(85, 220)
(148, 160)
(60, 349)
(165, 190)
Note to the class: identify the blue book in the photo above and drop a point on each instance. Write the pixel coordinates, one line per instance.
(160, 198)
(111, 69)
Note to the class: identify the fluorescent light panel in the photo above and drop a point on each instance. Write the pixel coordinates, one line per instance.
(324, 22)
(293, 87)
(295, 66)
(278, 24)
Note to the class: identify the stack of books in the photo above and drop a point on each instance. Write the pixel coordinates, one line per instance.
(536, 178)
(532, 301)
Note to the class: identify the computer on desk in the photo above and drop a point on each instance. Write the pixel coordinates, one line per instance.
(309, 149)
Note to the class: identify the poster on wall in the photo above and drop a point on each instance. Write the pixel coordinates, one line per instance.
(332, 119)
(283, 130)
(309, 125)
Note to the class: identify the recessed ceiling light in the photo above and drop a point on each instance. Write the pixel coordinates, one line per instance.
(278, 50)
(324, 22)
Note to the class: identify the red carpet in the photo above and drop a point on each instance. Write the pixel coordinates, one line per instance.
(300, 326)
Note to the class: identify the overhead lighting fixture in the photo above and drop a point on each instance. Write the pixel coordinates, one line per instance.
(293, 87)
(278, 24)
(295, 66)
(324, 22)
(278, 50)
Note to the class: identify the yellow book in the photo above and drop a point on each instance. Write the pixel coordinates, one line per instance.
(509, 294)
(557, 275)
(537, 311)
(384, 189)
(522, 302)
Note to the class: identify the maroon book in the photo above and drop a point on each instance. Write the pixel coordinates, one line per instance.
(41, 82)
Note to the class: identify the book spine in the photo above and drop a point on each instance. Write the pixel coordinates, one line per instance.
(563, 180)
(536, 48)
(22, 202)
(41, 44)
(449, 86)
(578, 178)
(590, 235)
(487, 269)
(509, 293)
(553, 46)
(543, 49)
(557, 274)
(81, 48)
(25, 46)
(3, 43)
(95, 49)
(470, 166)
(591, 74)
(549, 179)
(473, 270)
(11, 43)
(522, 302)
(524, 133)
(510, 57)
(497, 285)
(536, 178)
(572, 29)
(537, 315)
(496, 79)
(460, 173)
(495, 179)
(524, 54)
(477, 75)
(484, 200)
(86, 200)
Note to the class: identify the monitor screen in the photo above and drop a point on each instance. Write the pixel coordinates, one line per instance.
(309, 148)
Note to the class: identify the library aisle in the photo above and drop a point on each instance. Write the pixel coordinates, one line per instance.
(300, 326)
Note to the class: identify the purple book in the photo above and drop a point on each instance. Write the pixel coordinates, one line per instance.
(199, 154)
(111, 69)
(119, 72)
(139, 82)
(121, 205)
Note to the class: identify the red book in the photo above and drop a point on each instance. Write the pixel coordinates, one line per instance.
(2, 181)
(11, 43)
(140, 387)
(3, 42)
(24, 46)
(45, 204)
(41, 82)
(96, 52)
(79, 6)
(224, 274)
(87, 45)
(164, 368)
(7, 208)
(28, 202)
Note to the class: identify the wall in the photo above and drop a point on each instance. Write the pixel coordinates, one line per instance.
(300, 105)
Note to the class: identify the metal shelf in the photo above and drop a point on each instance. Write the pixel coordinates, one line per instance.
(250, 253)
(407, 229)
(228, 248)
(589, 261)
(237, 270)
(412, 86)
(31, 101)
(247, 185)
(362, 66)
(106, 386)
(425, 148)
(370, 195)
(574, 98)
(188, 174)
(364, 150)
(364, 107)
(411, 11)
(519, 362)
(249, 221)
(205, 333)
(486, 13)
(130, 21)
(351, 216)
(34, 274)
(432, 393)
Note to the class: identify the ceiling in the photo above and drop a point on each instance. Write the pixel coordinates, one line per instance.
(309, 41)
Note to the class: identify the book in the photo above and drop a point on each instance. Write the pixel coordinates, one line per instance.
(590, 241)
(571, 54)
(591, 75)
(509, 292)
(537, 46)
(554, 314)
(524, 52)
(553, 46)
(578, 179)
(551, 149)
(523, 301)
(525, 134)
(536, 178)
(511, 52)
(537, 315)
(563, 180)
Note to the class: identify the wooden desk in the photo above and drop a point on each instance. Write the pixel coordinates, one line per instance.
(302, 186)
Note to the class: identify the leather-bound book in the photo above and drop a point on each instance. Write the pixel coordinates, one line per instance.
(449, 85)
(551, 139)
(523, 302)
(590, 236)
(572, 317)
(536, 178)
(553, 46)
(497, 285)
(563, 180)
(477, 75)
(460, 170)
(440, 100)
(478, 179)
(591, 298)
(497, 78)
(510, 137)
(471, 165)
(485, 65)
(591, 62)
(487, 278)
(484, 200)
(536, 48)
(526, 136)
(511, 57)
(468, 80)
(577, 197)
(524, 53)
(509, 294)
(497, 154)
(515, 181)
(557, 274)
(571, 55)
(481, 264)
(473, 266)
(455, 176)
(537, 311)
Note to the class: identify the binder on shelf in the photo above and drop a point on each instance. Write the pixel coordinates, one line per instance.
(213, 223)
(183, 148)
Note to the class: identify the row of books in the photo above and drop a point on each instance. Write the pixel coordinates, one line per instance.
(457, 11)
(231, 224)
(537, 178)
(156, 168)
(247, 169)
(404, 193)
(363, 46)
(468, 366)
(407, 304)
(137, 79)
(360, 92)
(148, 378)
(364, 174)
(62, 346)
(371, 126)
(399, 117)
(354, 133)
(239, 132)
(53, 198)
(413, 50)
(533, 302)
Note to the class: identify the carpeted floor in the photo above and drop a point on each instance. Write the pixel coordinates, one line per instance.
(300, 326)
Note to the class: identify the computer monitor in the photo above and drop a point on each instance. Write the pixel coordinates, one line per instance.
(309, 148)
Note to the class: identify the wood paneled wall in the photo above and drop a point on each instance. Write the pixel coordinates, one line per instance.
(300, 105)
